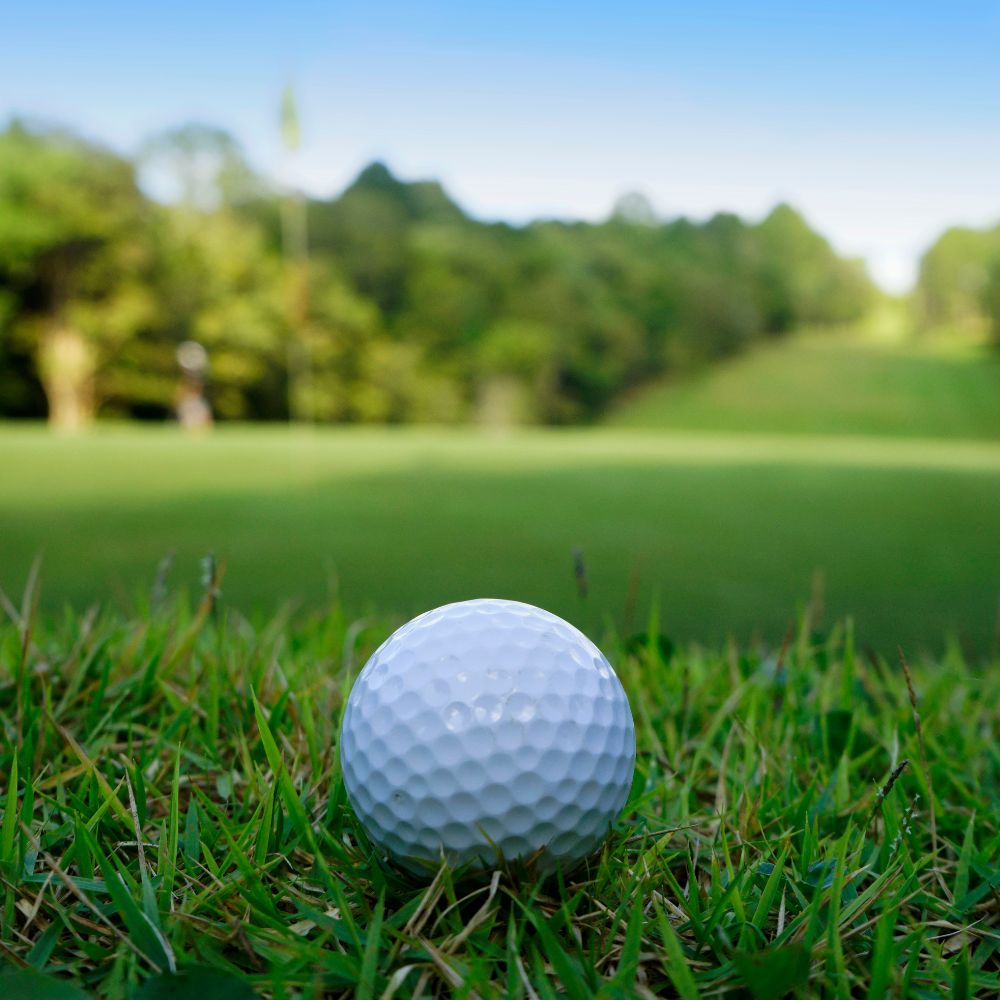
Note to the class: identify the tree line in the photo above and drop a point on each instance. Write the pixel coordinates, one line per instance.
(387, 303)
(958, 285)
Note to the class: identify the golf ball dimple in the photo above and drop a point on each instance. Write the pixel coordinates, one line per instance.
(487, 728)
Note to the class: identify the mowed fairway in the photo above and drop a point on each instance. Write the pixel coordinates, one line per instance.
(843, 383)
(725, 531)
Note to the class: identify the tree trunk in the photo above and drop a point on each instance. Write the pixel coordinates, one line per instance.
(66, 366)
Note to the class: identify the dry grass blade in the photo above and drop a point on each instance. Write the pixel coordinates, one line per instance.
(477, 919)
(450, 976)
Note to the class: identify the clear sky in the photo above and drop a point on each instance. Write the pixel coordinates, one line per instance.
(879, 120)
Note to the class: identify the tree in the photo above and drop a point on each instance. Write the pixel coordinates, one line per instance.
(802, 280)
(518, 373)
(74, 258)
(199, 166)
(991, 300)
(222, 286)
(217, 278)
(954, 278)
(634, 208)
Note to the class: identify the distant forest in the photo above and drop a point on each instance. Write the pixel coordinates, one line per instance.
(387, 303)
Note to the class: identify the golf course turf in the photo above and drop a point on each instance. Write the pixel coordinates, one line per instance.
(725, 532)
(798, 590)
(883, 383)
(173, 800)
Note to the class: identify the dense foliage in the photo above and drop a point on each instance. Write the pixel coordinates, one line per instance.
(171, 800)
(959, 282)
(387, 303)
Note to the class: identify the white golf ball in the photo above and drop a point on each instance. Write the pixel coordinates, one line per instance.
(487, 728)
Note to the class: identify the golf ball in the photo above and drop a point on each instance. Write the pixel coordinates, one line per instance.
(487, 728)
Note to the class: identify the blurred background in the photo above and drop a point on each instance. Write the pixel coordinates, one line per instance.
(685, 307)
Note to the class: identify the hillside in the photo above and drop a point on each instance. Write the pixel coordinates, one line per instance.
(834, 384)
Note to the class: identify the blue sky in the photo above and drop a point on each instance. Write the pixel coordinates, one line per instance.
(881, 121)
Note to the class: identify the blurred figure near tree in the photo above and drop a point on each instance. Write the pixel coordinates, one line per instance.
(193, 410)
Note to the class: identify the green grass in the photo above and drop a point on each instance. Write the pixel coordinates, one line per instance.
(836, 384)
(171, 797)
(725, 532)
